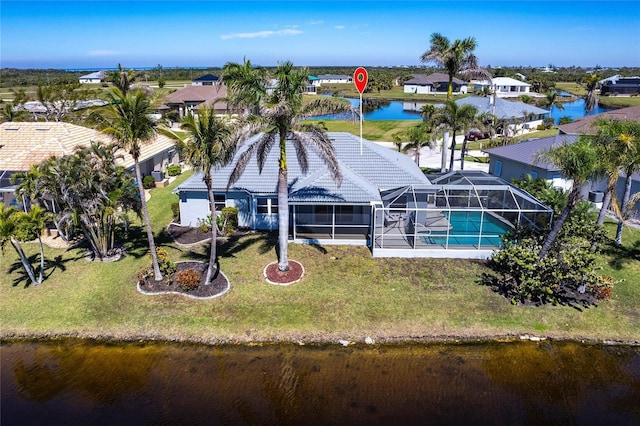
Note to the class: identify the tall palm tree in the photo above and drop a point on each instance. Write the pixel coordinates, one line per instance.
(551, 100)
(279, 117)
(17, 226)
(578, 162)
(456, 58)
(455, 118)
(626, 154)
(210, 144)
(128, 121)
(591, 82)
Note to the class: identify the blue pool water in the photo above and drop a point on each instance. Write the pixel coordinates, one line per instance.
(467, 228)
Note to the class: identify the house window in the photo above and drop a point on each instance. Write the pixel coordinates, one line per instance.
(267, 206)
(497, 170)
(219, 200)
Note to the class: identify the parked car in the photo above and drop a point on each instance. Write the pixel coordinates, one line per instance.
(476, 134)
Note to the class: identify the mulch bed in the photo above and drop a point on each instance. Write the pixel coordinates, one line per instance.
(218, 286)
(187, 234)
(274, 276)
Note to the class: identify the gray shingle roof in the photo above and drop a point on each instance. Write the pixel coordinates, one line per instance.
(362, 176)
(526, 152)
(504, 109)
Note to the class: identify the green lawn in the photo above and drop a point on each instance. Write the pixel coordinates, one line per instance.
(345, 294)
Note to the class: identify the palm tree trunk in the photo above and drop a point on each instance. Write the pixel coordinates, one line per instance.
(24, 260)
(41, 273)
(603, 210)
(453, 151)
(214, 233)
(443, 164)
(557, 226)
(283, 207)
(157, 275)
(464, 148)
(625, 207)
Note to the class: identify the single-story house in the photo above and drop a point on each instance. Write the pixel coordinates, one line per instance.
(621, 86)
(314, 80)
(515, 161)
(504, 86)
(188, 98)
(433, 83)
(206, 80)
(335, 79)
(23, 144)
(93, 78)
(520, 117)
(385, 202)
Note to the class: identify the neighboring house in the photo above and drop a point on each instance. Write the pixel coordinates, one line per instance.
(23, 144)
(313, 83)
(206, 80)
(519, 117)
(334, 79)
(586, 125)
(384, 202)
(504, 86)
(185, 100)
(521, 76)
(621, 86)
(433, 83)
(515, 161)
(93, 78)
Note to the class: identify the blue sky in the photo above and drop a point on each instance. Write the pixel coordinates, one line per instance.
(100, 34)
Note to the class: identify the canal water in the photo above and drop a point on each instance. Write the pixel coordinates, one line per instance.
(374, 109)
(80, 382)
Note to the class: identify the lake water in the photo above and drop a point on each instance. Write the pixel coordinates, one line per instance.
(405, 110)
(79, 382)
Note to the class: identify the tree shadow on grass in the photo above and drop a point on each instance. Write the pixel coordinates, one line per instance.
(50, 266)
(237, 243)
(507, 288)
(620, 255)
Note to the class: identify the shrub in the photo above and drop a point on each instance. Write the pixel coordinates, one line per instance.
(204, 225)
(175, 209)
(167, 267)
(174, 170)
(227, 221)
(148, 182)
(188, 280)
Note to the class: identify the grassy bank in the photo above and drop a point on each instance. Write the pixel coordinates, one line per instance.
(345, 294)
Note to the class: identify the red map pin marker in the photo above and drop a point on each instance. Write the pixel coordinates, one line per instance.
(360, 78)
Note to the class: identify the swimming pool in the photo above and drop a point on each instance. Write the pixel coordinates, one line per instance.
(467, 229)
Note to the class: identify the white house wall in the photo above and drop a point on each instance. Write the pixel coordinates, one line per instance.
(414, 88)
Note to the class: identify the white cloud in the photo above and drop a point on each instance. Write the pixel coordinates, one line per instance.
(103, 52)
(340, 27)
(261, 34)
(316, 22)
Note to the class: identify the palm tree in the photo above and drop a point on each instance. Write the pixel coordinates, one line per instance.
(592, 81)
(551, 100)
(456, 58)
(455, 118)
(626, 154)
(129, 122)
(246, 84)
(418, 136)
(578, 162)
(122, 79)
(17, 226)
(210, 144)
(279, 116)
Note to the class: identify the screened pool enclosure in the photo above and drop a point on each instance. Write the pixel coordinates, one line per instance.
(465, 212)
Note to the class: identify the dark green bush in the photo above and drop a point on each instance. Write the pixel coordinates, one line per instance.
(174, 170)
(175, 209)
(228, 220)
(188, 280)
(148, 182)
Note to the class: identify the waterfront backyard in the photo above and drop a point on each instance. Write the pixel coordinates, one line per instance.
(345, 294)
